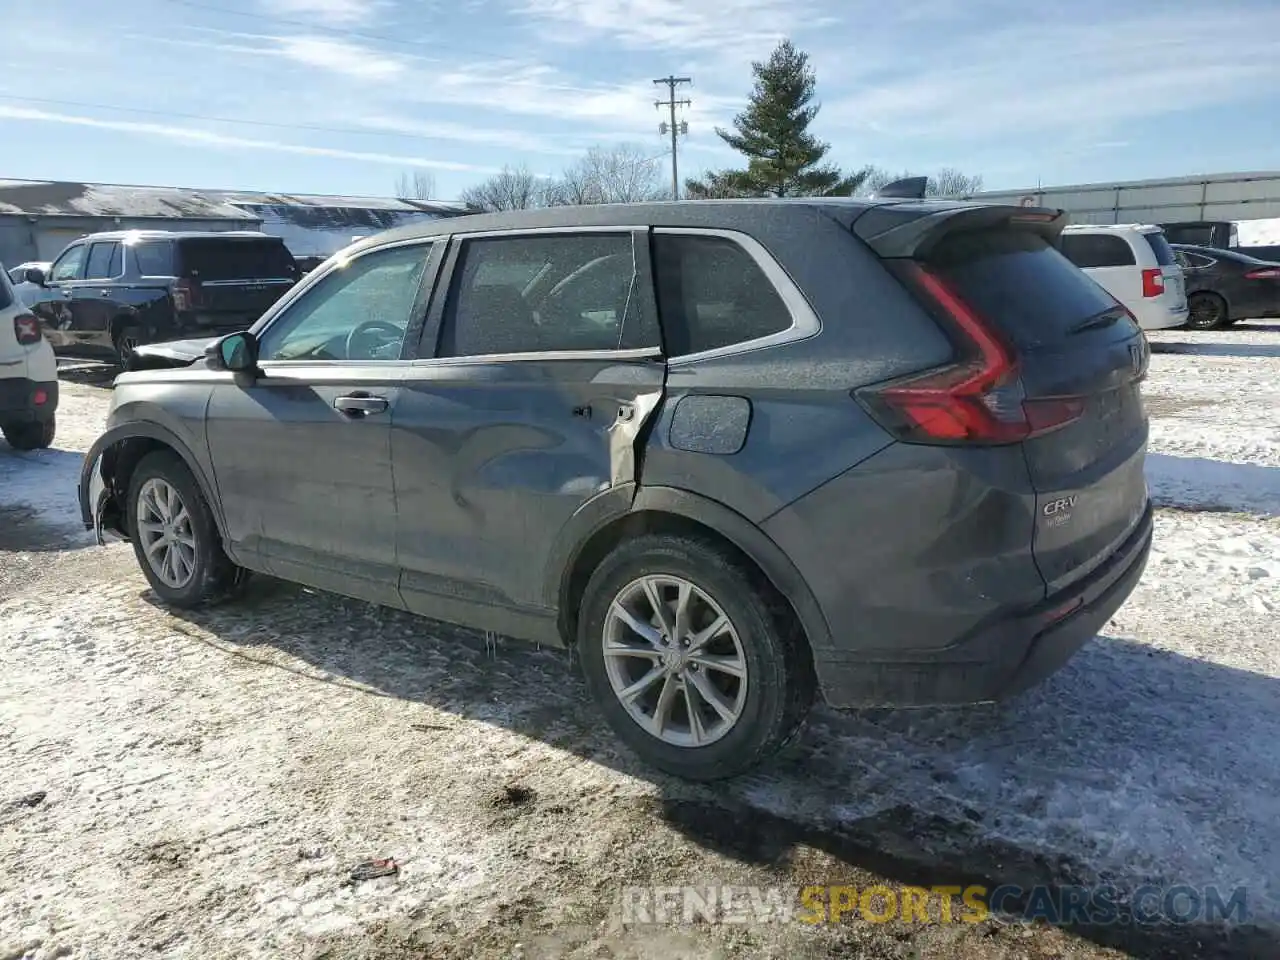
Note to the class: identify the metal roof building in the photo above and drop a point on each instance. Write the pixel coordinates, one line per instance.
(39, 218)
(1215, 196)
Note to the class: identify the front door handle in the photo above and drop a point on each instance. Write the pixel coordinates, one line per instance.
(360, 404)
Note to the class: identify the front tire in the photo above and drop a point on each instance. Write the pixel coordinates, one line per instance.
(1207, 311)
(31, 436)
(691, 664)
(174, 534)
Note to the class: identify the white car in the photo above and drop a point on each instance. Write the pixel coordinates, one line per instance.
(27, 291)
(28, 375)
(1136, 265)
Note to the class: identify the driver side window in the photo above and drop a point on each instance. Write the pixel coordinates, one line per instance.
(68, 265)
(359, 311)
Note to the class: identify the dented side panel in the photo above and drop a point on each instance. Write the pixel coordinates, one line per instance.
(493, 457)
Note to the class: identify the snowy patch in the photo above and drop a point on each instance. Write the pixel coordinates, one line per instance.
(38, 488)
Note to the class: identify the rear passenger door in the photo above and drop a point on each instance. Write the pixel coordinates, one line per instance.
(540, 366)
(1109, 261)
(94, 301)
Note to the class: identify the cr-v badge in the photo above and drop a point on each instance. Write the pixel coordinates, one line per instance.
(1058, 511)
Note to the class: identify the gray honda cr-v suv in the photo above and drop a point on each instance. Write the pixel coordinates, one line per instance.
(736, 453)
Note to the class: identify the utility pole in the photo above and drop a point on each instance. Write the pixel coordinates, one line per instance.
(676, 129)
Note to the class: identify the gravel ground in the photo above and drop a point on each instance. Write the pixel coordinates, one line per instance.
(200, 785)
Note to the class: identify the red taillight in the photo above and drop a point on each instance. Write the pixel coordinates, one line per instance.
(1263, 273)
(1152, 282)
(27, 329)
(40, 397)
(184, 295)
(976, 400)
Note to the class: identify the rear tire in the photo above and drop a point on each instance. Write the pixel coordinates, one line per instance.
(126, 340)
(750, 686)
(175, 537)
(1207, 311)
(30, 436)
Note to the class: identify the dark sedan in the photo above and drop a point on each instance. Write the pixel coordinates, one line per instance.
(1224, 286)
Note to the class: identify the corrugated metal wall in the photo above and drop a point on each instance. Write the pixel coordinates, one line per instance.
(1219, 197)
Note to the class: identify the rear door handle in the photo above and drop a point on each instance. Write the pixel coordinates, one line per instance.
(360, 404)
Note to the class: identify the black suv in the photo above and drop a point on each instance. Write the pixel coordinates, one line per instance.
(109, 292)
(733, 452)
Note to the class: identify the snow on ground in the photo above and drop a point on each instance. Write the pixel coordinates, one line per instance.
(1214, 401)
(211, 776)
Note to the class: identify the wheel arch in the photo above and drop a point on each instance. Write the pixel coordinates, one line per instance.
(122, 449)
(121, 320)
(605, 521)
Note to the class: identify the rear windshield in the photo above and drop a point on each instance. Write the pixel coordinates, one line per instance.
(213, 259)
(6, 292)
(1021, 283)
(1160, 247)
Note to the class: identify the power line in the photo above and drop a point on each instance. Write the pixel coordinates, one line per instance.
(677, 129)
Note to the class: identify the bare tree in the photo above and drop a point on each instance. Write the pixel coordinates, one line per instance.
(947, 183)
(418, 185)
(512, 188)
(626, 173)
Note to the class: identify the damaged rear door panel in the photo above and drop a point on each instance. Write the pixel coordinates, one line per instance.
(539, 372)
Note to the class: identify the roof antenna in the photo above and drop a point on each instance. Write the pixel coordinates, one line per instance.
(909, 188)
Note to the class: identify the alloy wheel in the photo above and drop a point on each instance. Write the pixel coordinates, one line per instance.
(675, 661)
(165, 533)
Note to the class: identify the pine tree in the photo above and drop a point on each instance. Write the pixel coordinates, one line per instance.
(783, 158)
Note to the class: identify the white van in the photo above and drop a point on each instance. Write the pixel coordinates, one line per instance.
(28, 375)
(1136, 265)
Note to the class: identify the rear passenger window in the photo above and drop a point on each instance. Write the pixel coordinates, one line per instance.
(154, 259)
(537, 294)
(712, 294)
(104, 261)
(1087, 250)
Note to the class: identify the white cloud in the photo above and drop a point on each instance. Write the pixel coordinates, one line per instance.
(340, 13)
(194, 135)
(338, 56)
(725, 26)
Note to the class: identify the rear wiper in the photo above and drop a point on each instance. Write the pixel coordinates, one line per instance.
(1096, 322)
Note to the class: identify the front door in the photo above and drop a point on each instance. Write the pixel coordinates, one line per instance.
(55, 308)
(546, 368)
(302, 455)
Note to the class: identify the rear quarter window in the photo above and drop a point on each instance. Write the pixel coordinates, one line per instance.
(712, 294)
(154, 259)
(1161, 248)
(6, 291)
(1021, 283)
(214, 259)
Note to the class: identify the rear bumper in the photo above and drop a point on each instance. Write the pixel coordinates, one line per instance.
(19, 396)
(1005, 658)
(1154, 315)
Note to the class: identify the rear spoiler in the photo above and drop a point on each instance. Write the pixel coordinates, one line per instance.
(912, 229)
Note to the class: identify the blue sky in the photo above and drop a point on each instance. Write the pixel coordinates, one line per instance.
(1017, 92)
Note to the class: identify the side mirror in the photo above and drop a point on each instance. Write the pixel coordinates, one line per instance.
(35, 275)
(237, 352)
